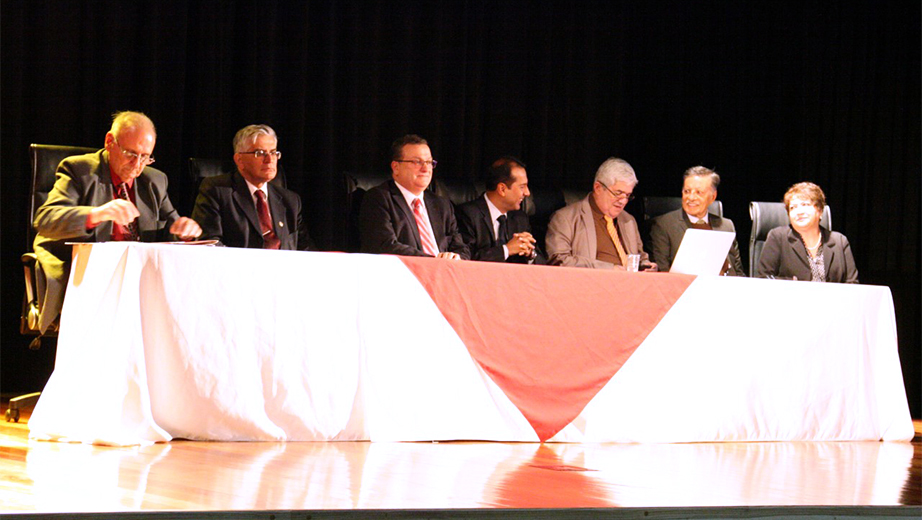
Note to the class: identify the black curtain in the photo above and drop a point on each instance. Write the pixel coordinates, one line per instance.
(766, 94)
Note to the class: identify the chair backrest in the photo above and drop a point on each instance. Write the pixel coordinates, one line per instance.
(765, 217)
(656, 206)
(571, 196)
(200, 168)
(540, 206)
(356, 185)
(44, 160)
(458, 192)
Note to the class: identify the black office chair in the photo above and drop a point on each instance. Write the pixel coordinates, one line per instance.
(765, 217)
(458, 192)
(356, 185)
(656, 206)
(44, 160)
(571, 196)
(200, 168)
(539, 206)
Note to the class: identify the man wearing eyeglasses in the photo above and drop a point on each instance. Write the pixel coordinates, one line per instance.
(400, 217)
(699, 190)
(112, 194)
(247, 209)
(596, 232)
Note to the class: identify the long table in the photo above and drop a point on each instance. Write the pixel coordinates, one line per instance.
(163, 341)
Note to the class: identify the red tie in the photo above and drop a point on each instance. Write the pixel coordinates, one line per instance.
(130, 231)
(270, 240)
(425, 236)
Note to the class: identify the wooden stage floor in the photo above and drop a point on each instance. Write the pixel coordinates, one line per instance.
(460, 479)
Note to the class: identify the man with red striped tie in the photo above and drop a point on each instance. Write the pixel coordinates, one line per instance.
(400, 217)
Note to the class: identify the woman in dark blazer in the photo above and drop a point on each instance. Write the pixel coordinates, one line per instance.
(804, 250)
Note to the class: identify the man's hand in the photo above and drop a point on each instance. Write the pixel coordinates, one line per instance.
(649, 266)
(449, 255)
(521, 244)
(120, 211)
(186, 228)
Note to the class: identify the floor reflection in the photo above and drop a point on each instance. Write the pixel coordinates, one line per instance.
(349, 475)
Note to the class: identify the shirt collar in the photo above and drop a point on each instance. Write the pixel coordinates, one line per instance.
(409, 196)
(253, 189)
(116, 180)
(494, 211)
(695, 220)
(596, 212)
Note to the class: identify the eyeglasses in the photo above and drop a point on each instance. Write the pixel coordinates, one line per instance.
(134, 156)
(619, 194)
(259, 154)
(419, 162)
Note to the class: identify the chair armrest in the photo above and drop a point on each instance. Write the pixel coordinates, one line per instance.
(29, 260)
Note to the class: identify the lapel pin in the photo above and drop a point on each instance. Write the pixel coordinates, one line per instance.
(281, 224)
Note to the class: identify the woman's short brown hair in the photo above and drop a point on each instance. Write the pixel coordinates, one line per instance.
(805, 190)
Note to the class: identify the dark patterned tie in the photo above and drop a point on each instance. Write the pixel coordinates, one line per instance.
(129, 232)
(502, 235)
(270, 240)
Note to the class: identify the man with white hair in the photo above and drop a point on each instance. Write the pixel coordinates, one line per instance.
(244, 208)
(112, 194)
(596, 232)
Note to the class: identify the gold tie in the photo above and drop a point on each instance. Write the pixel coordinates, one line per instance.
(613, 233)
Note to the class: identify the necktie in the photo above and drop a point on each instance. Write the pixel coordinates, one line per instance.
(270, 240)
(425, 235)
(502, 235)
(613, 233)
(130, 231)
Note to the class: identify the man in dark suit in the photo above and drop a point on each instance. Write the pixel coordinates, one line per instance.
(244, 209)
(493, 226)
(112, 194)
(699, 190)
(400, 217)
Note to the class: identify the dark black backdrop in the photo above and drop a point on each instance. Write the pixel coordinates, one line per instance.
(766, 93)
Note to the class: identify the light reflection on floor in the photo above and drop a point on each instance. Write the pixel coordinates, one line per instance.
(349, 475)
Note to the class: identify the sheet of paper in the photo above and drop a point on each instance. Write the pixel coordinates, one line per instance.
(702, 252)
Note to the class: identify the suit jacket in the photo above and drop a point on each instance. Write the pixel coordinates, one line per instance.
(387, 224)
(784, 256)
(225, 210)
(667, 231)
(84, 182)
(571, 239)
(476, 228)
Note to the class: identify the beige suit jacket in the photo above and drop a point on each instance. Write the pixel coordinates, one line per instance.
(571, 239)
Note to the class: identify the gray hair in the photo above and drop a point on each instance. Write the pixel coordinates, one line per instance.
(615, 170)
(247, 135)
(128, 120)
(701, 171)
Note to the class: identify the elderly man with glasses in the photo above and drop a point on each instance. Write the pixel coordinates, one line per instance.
(112, 194)
(400, 217)
(596, 232)
(245, 208)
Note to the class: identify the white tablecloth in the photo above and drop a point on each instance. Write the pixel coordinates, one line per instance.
(164, 341)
